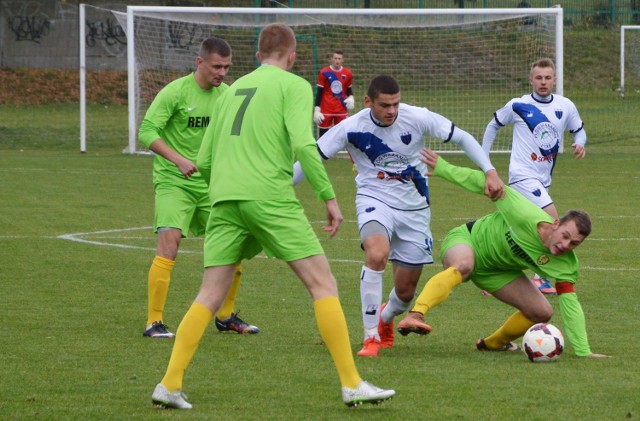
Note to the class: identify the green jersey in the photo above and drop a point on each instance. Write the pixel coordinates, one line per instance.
(258, 129)
(179, 115)
(508, 240)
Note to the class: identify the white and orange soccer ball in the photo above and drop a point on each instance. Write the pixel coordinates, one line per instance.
(543, 343)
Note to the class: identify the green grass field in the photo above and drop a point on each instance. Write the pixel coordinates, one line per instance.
(76, 246)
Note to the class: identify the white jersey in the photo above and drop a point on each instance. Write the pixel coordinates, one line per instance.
(388, 157)
(538, 132)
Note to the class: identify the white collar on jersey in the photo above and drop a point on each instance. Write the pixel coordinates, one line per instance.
(544, 99)
(379, 123)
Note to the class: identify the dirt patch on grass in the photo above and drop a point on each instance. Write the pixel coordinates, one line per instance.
(20, 86)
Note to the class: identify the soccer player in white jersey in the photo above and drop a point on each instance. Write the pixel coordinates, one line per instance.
(539, 121)
(392, 199)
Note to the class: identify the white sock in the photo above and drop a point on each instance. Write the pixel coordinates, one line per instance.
(394, 307)
(371, 298)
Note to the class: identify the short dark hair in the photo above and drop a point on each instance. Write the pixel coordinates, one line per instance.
(582, 220)
(214, 45)
(383, 84)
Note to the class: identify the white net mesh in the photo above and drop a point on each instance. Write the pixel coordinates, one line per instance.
(463, 66)
(630, 68)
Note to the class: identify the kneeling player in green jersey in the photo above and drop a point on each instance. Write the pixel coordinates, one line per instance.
(494, 251)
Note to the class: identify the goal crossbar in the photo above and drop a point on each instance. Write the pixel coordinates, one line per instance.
(432, 67)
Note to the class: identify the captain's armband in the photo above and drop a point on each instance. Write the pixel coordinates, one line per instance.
(564, 287)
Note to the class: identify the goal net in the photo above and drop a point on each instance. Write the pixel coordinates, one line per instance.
(461, 63)
(630, 60)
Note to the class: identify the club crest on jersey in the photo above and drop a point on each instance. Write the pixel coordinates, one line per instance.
(558, 114)
(406, 138)
(543, 259)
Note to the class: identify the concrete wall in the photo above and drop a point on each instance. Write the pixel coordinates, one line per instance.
(45, 33)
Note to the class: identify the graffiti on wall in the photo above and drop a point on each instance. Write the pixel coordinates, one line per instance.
(108, 34)
(183, 35)
(26, 20)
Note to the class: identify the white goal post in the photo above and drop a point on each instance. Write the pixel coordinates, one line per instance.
(630, 58)
(461, 63)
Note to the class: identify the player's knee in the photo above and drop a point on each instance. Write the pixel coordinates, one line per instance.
(464, 266)
(376, 259)
(462, 258)
(542, 313)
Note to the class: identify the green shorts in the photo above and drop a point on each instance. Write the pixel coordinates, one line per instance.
(488, 279)
(240, 229)
(182, 208)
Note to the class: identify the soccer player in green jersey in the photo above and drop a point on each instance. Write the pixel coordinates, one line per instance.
(494, 251)
(258, 129)
(173, 128)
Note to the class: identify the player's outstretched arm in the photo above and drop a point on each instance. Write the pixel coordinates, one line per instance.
(494, 186)
(467, 178)
(430, 158)
(490, 133)
(574, 320)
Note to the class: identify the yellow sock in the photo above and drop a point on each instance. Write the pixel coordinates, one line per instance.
(437, 289)
(515, 326)
(158, 287)
(188, 336)
(333, 330)
(230, 301)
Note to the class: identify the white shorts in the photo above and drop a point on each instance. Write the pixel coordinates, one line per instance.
(534, 191)
(409, 231)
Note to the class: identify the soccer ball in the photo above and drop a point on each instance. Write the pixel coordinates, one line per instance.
(543, 343)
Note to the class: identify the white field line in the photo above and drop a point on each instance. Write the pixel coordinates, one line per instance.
(79, 237)
(98, 239)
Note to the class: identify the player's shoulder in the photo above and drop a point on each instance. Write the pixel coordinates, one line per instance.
(412, 110)
(174, 89)
(294, 79)
(182, 81)
(364, 115)
(524, 99)
(563, 100)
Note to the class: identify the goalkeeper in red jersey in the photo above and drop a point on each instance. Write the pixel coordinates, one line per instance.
(173, 128)
(493, 252)
(334, 95)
